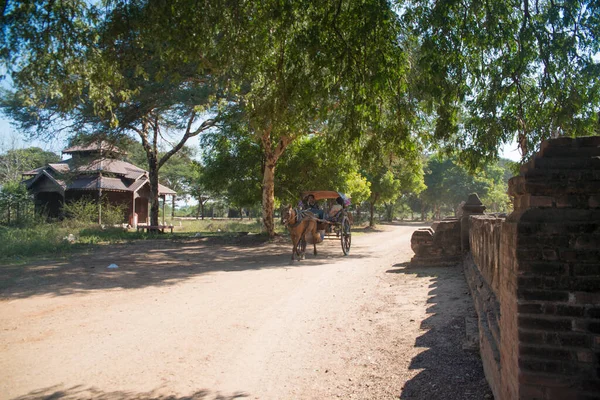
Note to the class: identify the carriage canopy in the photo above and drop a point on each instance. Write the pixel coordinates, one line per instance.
(326, 194)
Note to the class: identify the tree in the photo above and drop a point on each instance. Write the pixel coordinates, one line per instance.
(231, 166)
(494, 71)
(309, 64)
(311, 164)
(110, 72)
(16, 161)
(449, 183)
(197, 188)
(401, 177)
(384, 187)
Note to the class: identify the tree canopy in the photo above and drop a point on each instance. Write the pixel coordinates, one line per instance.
(275, 84)
(494, 71)
(16, 161)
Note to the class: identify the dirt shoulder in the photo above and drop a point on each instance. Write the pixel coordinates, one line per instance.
(200, 319)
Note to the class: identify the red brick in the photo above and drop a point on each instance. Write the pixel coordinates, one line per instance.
(549, 254)
(531, 337)
(548, 366)
(532, 392)
(587, 298)
(591, 385)
(546, 353)
(546, 324)
(568, 339)
(593, 312)
(530, 308)
(569, 311)
(543, 295)
(585, 356)
(586, 270)
(543, 268)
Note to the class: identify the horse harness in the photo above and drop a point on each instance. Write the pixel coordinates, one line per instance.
(300, 215)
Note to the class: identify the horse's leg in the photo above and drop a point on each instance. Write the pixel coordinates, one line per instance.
(294, 246)
(316, 237)
(303, 237)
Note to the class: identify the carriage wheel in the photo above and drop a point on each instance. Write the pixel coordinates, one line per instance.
(345, 236)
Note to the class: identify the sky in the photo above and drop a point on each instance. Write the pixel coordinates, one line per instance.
(10, 138)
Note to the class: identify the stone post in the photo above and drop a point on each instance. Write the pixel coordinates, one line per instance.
(472, 206)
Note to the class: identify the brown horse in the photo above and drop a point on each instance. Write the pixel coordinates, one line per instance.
(299, 228)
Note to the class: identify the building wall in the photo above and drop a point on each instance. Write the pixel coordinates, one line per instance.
(540, 267)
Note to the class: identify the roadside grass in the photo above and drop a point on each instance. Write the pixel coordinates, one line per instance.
(60, 239)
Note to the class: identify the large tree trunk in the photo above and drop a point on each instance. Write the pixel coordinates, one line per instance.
(202, 205)
(272, 154)
(154, 203)
(372, 202)
(268, 198)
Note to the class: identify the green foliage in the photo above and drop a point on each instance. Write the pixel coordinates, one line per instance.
(495, 71)
(32, 240)
(16, 161)
(16, 204)
(231, 168)
(358, 187)
(449, 183)
(311, 164)
(84, 211)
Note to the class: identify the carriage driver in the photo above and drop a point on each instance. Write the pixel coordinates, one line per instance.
(313, 207)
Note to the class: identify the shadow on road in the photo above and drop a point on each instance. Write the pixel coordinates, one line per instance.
(81, 392)
(155, 263)
(450, 369)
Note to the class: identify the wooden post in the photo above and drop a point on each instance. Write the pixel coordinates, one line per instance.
(133, 221)
(164, 197)
(172, 208)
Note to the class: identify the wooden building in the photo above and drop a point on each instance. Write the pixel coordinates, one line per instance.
(94, 172)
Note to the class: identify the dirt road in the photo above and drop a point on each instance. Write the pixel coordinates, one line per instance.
(197, 320)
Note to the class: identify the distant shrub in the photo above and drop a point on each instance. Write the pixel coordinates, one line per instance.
(85, 211)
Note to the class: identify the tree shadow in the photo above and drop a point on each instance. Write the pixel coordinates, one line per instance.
(450, 369)
(92, 393)
(155, 263)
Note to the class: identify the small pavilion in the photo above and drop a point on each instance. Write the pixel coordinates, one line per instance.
(94, 171)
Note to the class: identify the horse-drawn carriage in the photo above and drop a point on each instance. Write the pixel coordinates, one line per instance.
(311, 224)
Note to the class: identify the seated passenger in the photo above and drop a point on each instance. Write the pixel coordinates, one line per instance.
(311, 205)
(336, 207)
(334, 210)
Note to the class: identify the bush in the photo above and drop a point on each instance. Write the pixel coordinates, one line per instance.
(34, 240)
(16, 205)
(85, 211)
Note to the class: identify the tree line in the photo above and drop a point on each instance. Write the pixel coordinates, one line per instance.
(376, 82)
(229, 172)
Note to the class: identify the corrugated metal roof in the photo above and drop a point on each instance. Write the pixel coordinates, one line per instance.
(34, 171)
(61, 167)
(128, 177)
(94, 146)
(117, 167)
(162, 189)
(95, 183)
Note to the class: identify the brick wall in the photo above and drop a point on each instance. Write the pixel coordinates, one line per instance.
(541, 269)
(482, 271)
